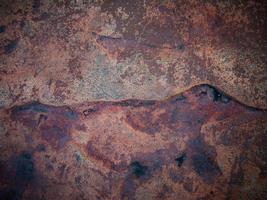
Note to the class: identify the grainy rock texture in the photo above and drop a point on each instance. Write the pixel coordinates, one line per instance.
(198, 145)
(64, 52)
(131, 99)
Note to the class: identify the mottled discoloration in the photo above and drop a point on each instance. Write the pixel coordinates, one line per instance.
(112, 99)
(117, 50)
(53, 124)
(10, 47)
(203, 160)
(191, 146)
(180, 160)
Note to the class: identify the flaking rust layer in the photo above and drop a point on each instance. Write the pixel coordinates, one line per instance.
(68, 52)
(200, 144)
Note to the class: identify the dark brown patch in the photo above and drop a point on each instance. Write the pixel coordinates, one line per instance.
(58, 136)
(180, 160)
(145, 166)
(2, 29)
(11, 193)
(20, 172)
(36, 6)
(88, 111)
(203, 160)
(11, 46)
(29, 114)
(53, 123)
(137, 169)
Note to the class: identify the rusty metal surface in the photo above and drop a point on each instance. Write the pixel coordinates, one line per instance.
(200, 144)
(65, 52)
(116, 99)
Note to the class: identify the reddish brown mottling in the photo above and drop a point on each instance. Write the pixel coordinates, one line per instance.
(137, 99)
(75, 51)
(198, 144)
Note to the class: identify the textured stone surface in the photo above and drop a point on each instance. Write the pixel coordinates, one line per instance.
(198, 145)
(116, 99)
(65, 52)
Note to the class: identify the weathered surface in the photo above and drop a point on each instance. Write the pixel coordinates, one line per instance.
(89, 106)
(65, 52)
(200, 144)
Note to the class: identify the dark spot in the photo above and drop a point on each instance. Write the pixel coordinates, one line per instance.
(224, 99)
(41, 119)
(2, 29)
(35, 6)
(180, 160)
(181, 47)
(137, 169)
(44, 16)
(22, 24)
(205, 166)
(163, 9)
(218, 96)
(200, 121)
(49, 167)
(11, 46)
(11, 193)
(213, 93)
(78, 180)
(203, 160)
(62, 169)
(72, 115)
(24, 167)
(180, 97)
(78, 157)
(88, 111)
(40, 148)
